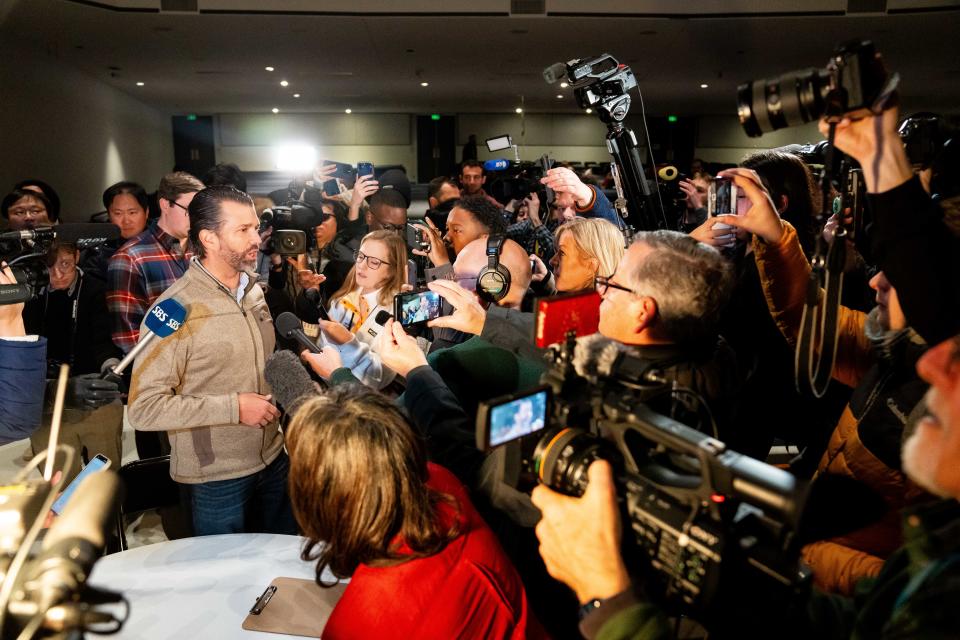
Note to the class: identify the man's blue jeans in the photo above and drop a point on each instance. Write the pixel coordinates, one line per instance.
(257, 503)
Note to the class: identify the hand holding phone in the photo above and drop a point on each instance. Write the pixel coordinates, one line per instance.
(416, 307)
(364, 169)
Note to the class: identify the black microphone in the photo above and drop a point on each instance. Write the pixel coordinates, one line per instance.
(289, 381)
(83, 234)
(382, 317)
(289, 326)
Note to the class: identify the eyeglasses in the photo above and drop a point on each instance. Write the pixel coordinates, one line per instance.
(177, 204)
(373, 263)
(602, 283)
(34, 211)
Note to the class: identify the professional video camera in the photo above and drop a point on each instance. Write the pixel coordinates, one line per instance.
(44, 589)
(603, 85)
(932, 144)
(853, 81)
(517, 180)
(26, 252)
(713, 531)
(293, 225)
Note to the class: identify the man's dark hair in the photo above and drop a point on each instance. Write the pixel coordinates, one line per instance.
(485, 212)
(226, 174)
(53, 206)
(389, 198)
(437, 184)
(206, 212)
(472, 164)
(131, 188)
(11, 198)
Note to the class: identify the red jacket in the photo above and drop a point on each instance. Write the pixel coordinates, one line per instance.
(468, 590)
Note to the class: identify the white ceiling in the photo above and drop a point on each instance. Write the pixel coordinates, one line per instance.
(374, 57)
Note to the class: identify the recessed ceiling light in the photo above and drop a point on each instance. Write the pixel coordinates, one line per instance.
(518, 110)
(269, 68)
(275, 110)
(348, 110)
(139, 84)
(559, 96)
(284, 83)
(589, 110)
(296, 95)
(704, 86)
(424, 84)
(564, 85)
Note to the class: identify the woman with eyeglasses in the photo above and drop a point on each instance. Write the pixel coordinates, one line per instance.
(586, 248)
(377, 276)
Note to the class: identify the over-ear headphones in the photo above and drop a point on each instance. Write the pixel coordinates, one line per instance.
(493, 281)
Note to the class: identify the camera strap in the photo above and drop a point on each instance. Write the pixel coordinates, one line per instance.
(817, 341)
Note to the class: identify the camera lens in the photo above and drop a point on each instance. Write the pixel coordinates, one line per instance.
(288, 242)
(791, 99)
(562, 457)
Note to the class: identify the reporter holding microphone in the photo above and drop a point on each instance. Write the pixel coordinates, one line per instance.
(204, 385)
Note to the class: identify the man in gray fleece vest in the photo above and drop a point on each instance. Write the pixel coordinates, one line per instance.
(204, 384)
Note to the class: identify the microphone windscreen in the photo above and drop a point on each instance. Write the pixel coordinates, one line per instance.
(383, 316)
(287, 323)
(289, 381)
(86, 234)
(166, 317)
(554, 72)
(90, 512)
(595, 356)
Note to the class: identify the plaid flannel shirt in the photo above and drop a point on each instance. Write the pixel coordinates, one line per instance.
(537, 240)
(136, 276)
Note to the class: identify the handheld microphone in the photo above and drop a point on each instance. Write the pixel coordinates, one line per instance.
(83, 234)
(163, 319)
(289, 326)
(498, 164)
(382, 317)
(289, 381)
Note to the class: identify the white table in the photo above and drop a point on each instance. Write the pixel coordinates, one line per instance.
(199, 587)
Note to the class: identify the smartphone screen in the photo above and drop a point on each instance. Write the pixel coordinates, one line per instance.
(99, 463)
(416, 307)
(518, 418)
(364, 169)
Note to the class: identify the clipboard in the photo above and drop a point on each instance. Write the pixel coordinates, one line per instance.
(294, 607)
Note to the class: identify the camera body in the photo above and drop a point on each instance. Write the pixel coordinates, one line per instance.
(702, 524)
(293, 226)
(519, 179)
(29, 267)
(854, 80)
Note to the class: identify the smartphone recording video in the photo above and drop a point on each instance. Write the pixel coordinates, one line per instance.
(416, 307)
(510, 418)
(364, 169)
(98, 463)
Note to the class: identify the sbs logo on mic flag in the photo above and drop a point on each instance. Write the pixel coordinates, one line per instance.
(166, 317)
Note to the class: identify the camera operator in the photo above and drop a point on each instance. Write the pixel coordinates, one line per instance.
(531, 231)
(23, 365)
(25, 209)
(876, 355)
(472, 178)
(53, 200)
(914, 595)
(71, 312)
(909, 238)
(585, 200)
(695, 189)
(442, 192)
(324, 268)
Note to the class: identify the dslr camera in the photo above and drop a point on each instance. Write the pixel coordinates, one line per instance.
(711, 531)
(854, 80)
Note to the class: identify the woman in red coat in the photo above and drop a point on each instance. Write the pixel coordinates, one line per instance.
(422, 562)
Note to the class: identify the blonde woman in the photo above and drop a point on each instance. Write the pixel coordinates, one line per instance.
(369, 288)
(586, 248)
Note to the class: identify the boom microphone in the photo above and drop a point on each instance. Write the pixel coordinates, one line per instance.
(163, 319)
(289, 326)
(289, 381)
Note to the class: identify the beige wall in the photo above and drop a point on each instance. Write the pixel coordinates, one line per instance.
(562, 137)
(75, 132)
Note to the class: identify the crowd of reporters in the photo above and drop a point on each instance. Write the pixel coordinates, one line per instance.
(375, 461)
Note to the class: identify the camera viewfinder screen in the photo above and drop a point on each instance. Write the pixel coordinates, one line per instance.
(419, 307)
(498, 144)
(518, 418)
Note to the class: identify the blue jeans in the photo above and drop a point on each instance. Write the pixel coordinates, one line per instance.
(257, 503)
